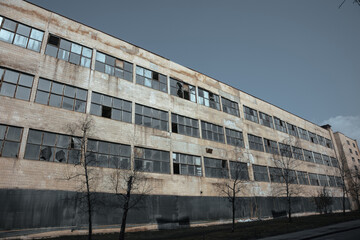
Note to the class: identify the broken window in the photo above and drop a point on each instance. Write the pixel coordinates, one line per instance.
(266, 120)
(215, 168)
(276, 175)
(334, 162)
(260, 173)
(182, 90)
(60, 95)
(280, 125)
(318, 158)
(151, 117)
(68, 51)
(110, 107)
(297, 152)
(303, 134)
(292, 130)
(15, 84)
(10, 138)
(255, 143)
(308, 156)
(184, 125)
(314, 179)
(20, 34)
(323, 180)
(114, 66)
(326, 160)
(314, 138)
(212, 132)
(185, 164)
(285, 150)
(230, 107)
(271, 146)
(339, 182)
(303, 178)
(151, 79)
(52, 147)
(328, 143)
(234, 137)
(208, 99)
(239, 170)
(251, 114)
(151, 160)
(108, 154)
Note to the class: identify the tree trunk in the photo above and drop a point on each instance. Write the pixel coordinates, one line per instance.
(88, 203)
(126, 208)
(343, 201)
(233, 215)
(288, 200)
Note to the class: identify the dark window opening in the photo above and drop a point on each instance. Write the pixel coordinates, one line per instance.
(106, 112)
(176, 168)
(53, 40)
(155, 75)
(223, 163)
(174, 128)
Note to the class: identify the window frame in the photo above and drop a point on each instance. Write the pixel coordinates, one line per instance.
(157, 81)
(107, 65)
(178, 83)
(212, 99)
(18, 85)
(230, 107)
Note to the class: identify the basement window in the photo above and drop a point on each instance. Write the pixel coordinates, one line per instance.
(182, 90)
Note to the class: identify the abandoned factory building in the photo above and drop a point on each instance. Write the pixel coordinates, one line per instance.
(186, 131)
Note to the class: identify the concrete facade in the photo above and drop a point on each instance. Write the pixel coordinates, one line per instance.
(31, 191)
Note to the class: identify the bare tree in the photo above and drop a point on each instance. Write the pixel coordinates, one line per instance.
(130, 187)
(84, 176)
(354, 2)
(344, 172)
(284, 172)
(231, 187)
(323, 200)
(354, 185)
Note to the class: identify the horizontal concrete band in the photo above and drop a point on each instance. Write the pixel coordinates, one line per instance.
(26, 208)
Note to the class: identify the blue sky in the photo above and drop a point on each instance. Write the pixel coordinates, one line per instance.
(302, 56)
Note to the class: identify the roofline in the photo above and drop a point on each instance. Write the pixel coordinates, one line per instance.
(172, 61)
(337, 132)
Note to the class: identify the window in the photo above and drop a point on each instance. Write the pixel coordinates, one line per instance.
(297, 152)
(303, 178)
(339, 181)
(348, 142)
(271, 146)
(323, 180)
(276, 174)
(255, 143)
(266, 120)
(184, 125)
(151, 117)
(215, 168)
(328, 143)
(10, 138)
(291, 176)
(314, 179)
(15, 84)
(110, 107)
(68, 51)
(52, 147)
(334, 162)
(212, 132)
(234, 137)
(292, 130)
(108, 155)
(308, 156)
(356, 153)
(260, 173)
(318, 158)
(187, 164)
(332, 181)
(251, 114)
(239, 170)
(151, 160)
(280, 125)
(303, 134)
(285, 150)
(313, 138)
(321, 141)
(113, 66)
(230, 107)
(208, 99)
(182, 90)
(151, 79)
(350, 150)
(353, 144)
(356, 168)
(61, 95)
(20, 34)
(353, 159)
(326, 160)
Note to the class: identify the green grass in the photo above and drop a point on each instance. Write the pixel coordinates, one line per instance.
(248, 230)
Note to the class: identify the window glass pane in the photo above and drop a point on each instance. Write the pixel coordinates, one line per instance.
(44, 85)
(7, 89)
(57, 88)
(87, 52)
(20, 40)
(6, 36)
(68, 103)
(10, 149)
(23, 93)
(36, 34)
(42, 97)
(55, 100)
(64, 55)
(95, 109)
(74, 58)
(23, 30)
(9, 25)
(69, 91)
(51, 50)
(75, 48)
(13, 134)
(81, 94)
(26, 80)
(64, 44)
(80, 106)
(32, 152)
(2, 131)
(34, 45)
(11, 76)
(49, 139)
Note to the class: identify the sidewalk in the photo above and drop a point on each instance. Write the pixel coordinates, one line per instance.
(318, 232)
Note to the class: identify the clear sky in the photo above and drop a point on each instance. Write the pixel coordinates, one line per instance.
(303, 56)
